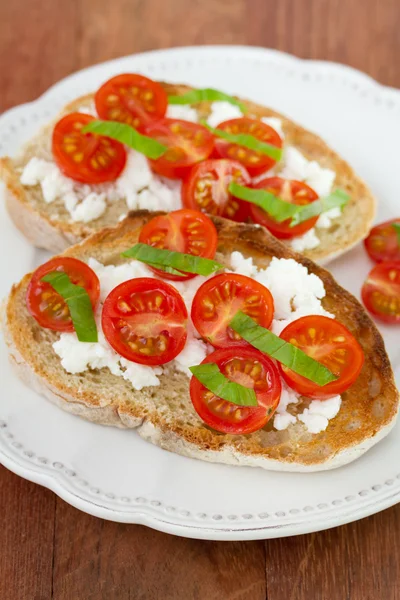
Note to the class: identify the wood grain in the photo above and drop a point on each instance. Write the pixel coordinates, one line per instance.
(114, 561)
(49, 550)
(26, 539)
(355, 562)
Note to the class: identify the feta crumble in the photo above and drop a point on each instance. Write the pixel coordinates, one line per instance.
(223, 111)
(297, 293)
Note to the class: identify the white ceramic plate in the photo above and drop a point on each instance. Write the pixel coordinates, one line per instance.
(116, 475)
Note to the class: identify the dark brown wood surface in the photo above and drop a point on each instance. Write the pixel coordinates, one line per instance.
(50, 550)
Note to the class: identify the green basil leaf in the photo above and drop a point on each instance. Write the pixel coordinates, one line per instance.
(396, 227)
(248, 141)
(79, 304)
(338, 198)
(160, 258)
(170, 270)
(127, 135)
(212, 378)
(206, 95)
(280, 210)
(284, 352)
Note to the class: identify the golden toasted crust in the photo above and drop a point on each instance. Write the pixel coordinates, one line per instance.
(369, 407)
(58, 231)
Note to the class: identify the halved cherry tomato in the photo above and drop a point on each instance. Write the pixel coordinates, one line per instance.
(86, 157)
(331, 344)
(145, 320)
(255, 162)
(219, 299)
(295, 192)
(383, 243)
(206, 188)
(46, 305)
(131, 98)
(250, 368)
(188, 144)
(185, 230)
(381, 292)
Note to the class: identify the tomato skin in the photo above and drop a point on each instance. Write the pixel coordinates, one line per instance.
(185, 230)
(332, 344)
(227, 417)
(276, 185)
(78, 272)
(206, 188)
(255, 162)
(382, 243)
(86, 157)
(188, 144)
(217, 301)
(145, 321)
(381, 292)
(132, 99)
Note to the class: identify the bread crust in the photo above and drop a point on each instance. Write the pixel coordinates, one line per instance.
(369, 407)
(55, 234)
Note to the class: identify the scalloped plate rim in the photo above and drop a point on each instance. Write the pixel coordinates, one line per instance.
(53, 480)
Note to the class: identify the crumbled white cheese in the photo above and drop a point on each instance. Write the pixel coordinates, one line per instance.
(193, 353)
(242, 265)
(136, 176)
(275, 123)
(321, 180)
(110, 276)
(223, 111)
(292, 287)
(140, 376)
(90, 209)
(297, 293)
(296, 166)
(48, 175)
(307, 241)
(137, 184)
(188, 289)
(326, 218)
(282, 418)
(182, 111)
(159, 196)
(317, 416)
(77, 356)
(143, 189)
(90, 109)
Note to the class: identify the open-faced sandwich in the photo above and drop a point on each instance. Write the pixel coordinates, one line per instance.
(211, 338)
(163, 147)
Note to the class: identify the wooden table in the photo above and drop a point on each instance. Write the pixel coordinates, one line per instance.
(50, 550)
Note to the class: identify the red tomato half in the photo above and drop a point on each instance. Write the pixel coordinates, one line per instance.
(206, 188)
(46, 305)
(188, 144)
(383, 242)
(330, 343)
(219, 299)
(145, 320)
(255, 162)
(251, 369)
(86, 157)
(295, 192)
(381, 292)
(187, 231)
(132, 99)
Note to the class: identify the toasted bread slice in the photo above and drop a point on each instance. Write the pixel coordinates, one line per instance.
(165, 416)
(50, 226)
